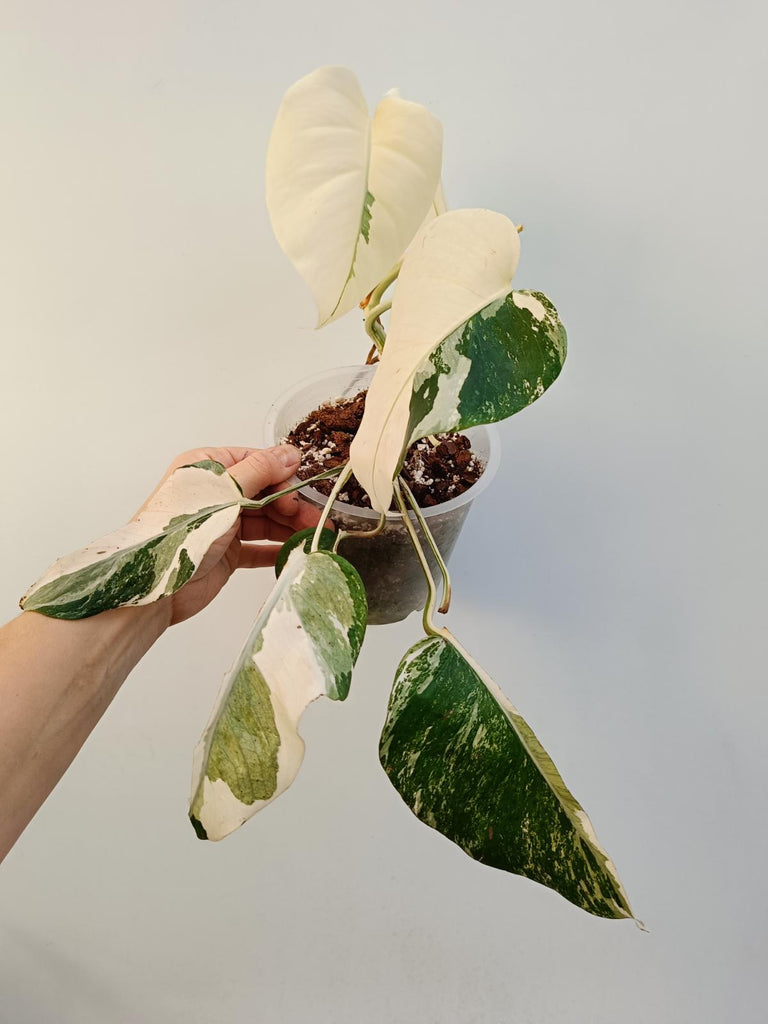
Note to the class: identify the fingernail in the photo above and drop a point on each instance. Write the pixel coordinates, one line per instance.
(287, 454)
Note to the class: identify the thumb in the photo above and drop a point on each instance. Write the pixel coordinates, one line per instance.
(263, 467)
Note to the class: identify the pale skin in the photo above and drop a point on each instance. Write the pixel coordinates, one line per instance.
(58, 677)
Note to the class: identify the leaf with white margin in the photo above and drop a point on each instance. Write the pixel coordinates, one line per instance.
(150, 557)
(303, 645)
(468, 765)
(346, 194)
(457, 264)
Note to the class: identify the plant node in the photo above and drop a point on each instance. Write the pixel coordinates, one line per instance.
(361, 533)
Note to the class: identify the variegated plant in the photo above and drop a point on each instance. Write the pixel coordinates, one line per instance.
(356, 202)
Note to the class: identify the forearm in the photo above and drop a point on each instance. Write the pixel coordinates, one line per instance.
(56, 680)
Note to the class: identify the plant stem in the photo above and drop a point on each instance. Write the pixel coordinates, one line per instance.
(374, 307)
(427, 621)
(376, 311)
(378, 292)
(375, 332)
(445, 604)
(360, 533)
(261, 502)
(373, 325)
(346, 473)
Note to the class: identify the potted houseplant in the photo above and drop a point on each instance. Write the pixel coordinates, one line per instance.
(356, 203)
(381, 550)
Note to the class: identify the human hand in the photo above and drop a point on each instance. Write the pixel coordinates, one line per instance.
(57, 676)
(255, 470)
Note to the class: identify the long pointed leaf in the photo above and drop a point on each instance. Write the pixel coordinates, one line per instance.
(346, 195)
(303, 646)
(468, 765)
(151, 556)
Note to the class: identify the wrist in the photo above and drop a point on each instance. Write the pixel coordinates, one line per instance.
(127, 632)
(150, 621)
(57, 677)
(106, 646)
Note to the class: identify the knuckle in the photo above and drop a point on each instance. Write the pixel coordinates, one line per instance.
(261, 459)
(265, 464)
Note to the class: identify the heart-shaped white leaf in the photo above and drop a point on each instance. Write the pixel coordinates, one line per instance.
(456, 265)
(347, 194)
(303, 646)
(437, 207)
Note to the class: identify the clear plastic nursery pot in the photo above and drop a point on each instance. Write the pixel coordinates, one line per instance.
(394, 581)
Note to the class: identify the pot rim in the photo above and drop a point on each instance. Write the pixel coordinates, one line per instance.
(360, 372)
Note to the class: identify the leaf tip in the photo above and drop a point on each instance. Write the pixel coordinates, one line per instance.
(197, 825)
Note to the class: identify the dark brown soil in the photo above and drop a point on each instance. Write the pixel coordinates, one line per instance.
(434, 473)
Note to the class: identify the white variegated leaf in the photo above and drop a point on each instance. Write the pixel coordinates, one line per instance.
(304, 644)
(346, 194)
(156, 553)
(467, 764)
(497, 363)
(152, 556)
(459, 263)
(439, 204)
(437, 207)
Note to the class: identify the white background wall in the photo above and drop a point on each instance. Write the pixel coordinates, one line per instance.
(613, 580)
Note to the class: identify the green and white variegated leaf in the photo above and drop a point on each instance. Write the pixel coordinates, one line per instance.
(468, 765)
(345, 193)
(303, 646)
(150, 557)
(497, 363)
(457, 265)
